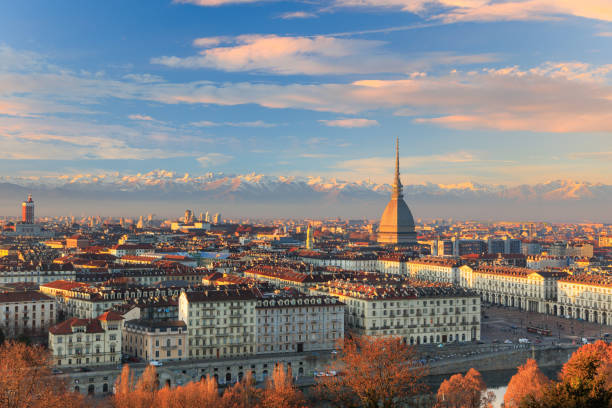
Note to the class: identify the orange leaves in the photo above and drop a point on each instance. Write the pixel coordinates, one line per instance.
(26, 380)
(528, 381)
(373, 372)
(280, 392)
(467, 391)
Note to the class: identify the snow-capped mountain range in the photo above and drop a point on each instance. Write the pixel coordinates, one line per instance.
(243, 190)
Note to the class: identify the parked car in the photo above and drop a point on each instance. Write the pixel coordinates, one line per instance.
(57, 371)
(524, 341)
(156, 363)
(507, 341)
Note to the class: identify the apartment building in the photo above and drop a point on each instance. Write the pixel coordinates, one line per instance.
(586, 297)
(155, 340)
(526, 289)
(86, 342)
(435, 269)
(221, 321)
(290, 322)
(418, 312)
(29, 313)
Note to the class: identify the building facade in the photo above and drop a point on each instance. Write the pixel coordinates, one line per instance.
(86, 342)
(155, 340)
(417, 312)
(28, 313)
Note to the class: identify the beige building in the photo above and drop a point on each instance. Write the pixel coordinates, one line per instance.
(290, 323)
(526, 289)
(587, 297)
(86, 342)
(26, 313)
(155, 340)
(418, 312)
(436, 269)
(221, 322)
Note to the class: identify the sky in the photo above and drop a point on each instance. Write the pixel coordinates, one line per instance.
(478, 91)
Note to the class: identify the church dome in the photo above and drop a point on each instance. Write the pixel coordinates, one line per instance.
(397, 224)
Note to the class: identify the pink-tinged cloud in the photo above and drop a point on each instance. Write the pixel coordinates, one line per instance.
(492, 10)
(350, 122)
(214, 3)
(307, 55)
(141, 117)
(297, 14)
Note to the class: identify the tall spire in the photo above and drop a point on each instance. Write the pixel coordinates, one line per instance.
(397, 184)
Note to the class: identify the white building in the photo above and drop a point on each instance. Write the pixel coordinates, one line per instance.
(526, 289)
(418, 312)
(220, 322)
(436, 269)
(290, 323)
(26, 313)
(86, 342)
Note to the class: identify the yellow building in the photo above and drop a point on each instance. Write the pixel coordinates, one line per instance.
(155, 340)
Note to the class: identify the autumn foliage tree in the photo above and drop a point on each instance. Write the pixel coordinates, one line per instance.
(528, 382)
(464, 391)
(202, 394)
(584, 382)
(26, 380)
(373, 373)
(280, 392)
(243, 394)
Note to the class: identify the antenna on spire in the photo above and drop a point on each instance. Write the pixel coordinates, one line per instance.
(397, 184)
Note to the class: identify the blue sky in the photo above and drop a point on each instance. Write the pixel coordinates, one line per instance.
(487, 91)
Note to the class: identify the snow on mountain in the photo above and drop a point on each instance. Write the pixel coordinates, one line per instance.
(259, 186)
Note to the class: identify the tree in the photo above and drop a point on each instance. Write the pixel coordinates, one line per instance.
(467, 391)
(585, 381)
(373, 372)
(280, 392)
(529, 381)
(146, 388)
(243, 394)
(26, 380)
(124, 388)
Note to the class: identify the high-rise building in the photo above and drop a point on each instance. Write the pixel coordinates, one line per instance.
(309, 238)
(397, 223)
(207, 217)
(217, 218)
(188, 216)
(27, 211)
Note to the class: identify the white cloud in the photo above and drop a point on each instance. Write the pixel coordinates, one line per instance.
(308, 55)
(257, 124)
(297, 14)
(213, 159)
(214, 3)
(491, 10)
(141, 117)
(350, 122)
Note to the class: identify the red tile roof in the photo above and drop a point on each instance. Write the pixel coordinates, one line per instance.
(91, 326)
(110, 316)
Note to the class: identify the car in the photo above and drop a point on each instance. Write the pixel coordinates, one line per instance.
(440, 345)
(606, 334)
(84, 369)
(156, 363)
(57, 371)
(507, 341)
(496, 341)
